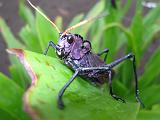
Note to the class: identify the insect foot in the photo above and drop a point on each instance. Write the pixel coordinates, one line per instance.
(60, 104)
(138, 99)
(118, 98)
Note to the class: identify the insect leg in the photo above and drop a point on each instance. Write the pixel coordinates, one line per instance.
(111, 90)
(106, 50)
(130, 55)
(61, 92)
(105, 69)
(136, 82)
(51, 43)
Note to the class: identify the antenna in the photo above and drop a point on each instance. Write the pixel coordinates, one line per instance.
(43, 15)
(84, 22)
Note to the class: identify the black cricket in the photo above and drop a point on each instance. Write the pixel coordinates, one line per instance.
(76, 54)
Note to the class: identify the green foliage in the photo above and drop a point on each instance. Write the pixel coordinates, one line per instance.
(107, 32)
(11, 93)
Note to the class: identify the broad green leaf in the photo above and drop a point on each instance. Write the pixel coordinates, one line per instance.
(11, 98)
(82, 100)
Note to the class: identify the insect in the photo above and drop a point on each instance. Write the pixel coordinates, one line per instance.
(76, 54)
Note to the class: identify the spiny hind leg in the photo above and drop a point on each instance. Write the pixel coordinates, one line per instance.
(111, 90)
(129, 56)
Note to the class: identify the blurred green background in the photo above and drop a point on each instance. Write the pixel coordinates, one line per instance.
(129, 27)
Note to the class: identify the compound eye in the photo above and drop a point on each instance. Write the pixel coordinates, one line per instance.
(70, 39)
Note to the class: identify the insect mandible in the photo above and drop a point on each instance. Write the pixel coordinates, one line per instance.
(76, 54)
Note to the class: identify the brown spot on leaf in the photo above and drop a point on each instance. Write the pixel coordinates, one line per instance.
(37, 59)
(50, 87)
(38, 75)
(47, 63)
(41, 101)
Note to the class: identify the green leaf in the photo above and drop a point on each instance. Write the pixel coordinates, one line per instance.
(152, 114)
(137, 29)
(15, 75)
(151, 26)
(27, 16)
(123, 9)
(148, 115)
(74, 21)
(151, 71)
(45, 32)
(59, 22)
(149, 35)
(149, 98)
(19, 76)
(11, 98)
(110, 36)
(95, 11)
(125, 77)
(96, 35)
(6, 116)
(30, 39)
(82, 100)
(11, 41)
(151, 17)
